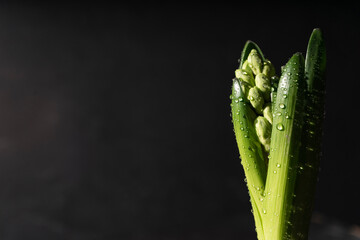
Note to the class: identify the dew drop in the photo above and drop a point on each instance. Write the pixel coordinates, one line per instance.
(309, 149)
(275, 172)
(280, 127)
(278, 165)
(241, 99)
(282, 106)
(308, 165)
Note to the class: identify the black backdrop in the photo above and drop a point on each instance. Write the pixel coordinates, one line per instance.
(114, 119)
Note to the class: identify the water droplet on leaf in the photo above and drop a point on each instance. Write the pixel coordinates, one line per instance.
(280, 127)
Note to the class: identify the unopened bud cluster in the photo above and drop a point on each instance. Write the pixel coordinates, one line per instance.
(257, 79)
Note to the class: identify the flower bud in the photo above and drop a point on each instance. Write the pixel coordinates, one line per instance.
(268, 69)
(263, 83)
(246, 66)
(256, 99)
(245, 76)
(263, 131)
(255, 62)
(245, 87)
(267, 113)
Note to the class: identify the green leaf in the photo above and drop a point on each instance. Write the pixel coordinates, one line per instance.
(309, 159)
(248, 144)
(250, 148)
(284, 148)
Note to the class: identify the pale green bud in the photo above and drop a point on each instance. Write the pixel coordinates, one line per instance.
(268, 69)
(256, 99)
(245, 76)
(245, 87)
(246, 66)
(267, 113)
(263, 131)
(255, 62)
(264, 84)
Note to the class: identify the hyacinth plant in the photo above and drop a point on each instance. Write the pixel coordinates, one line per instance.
(278, 128)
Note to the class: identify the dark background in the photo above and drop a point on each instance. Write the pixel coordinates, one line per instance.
(114, 119)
